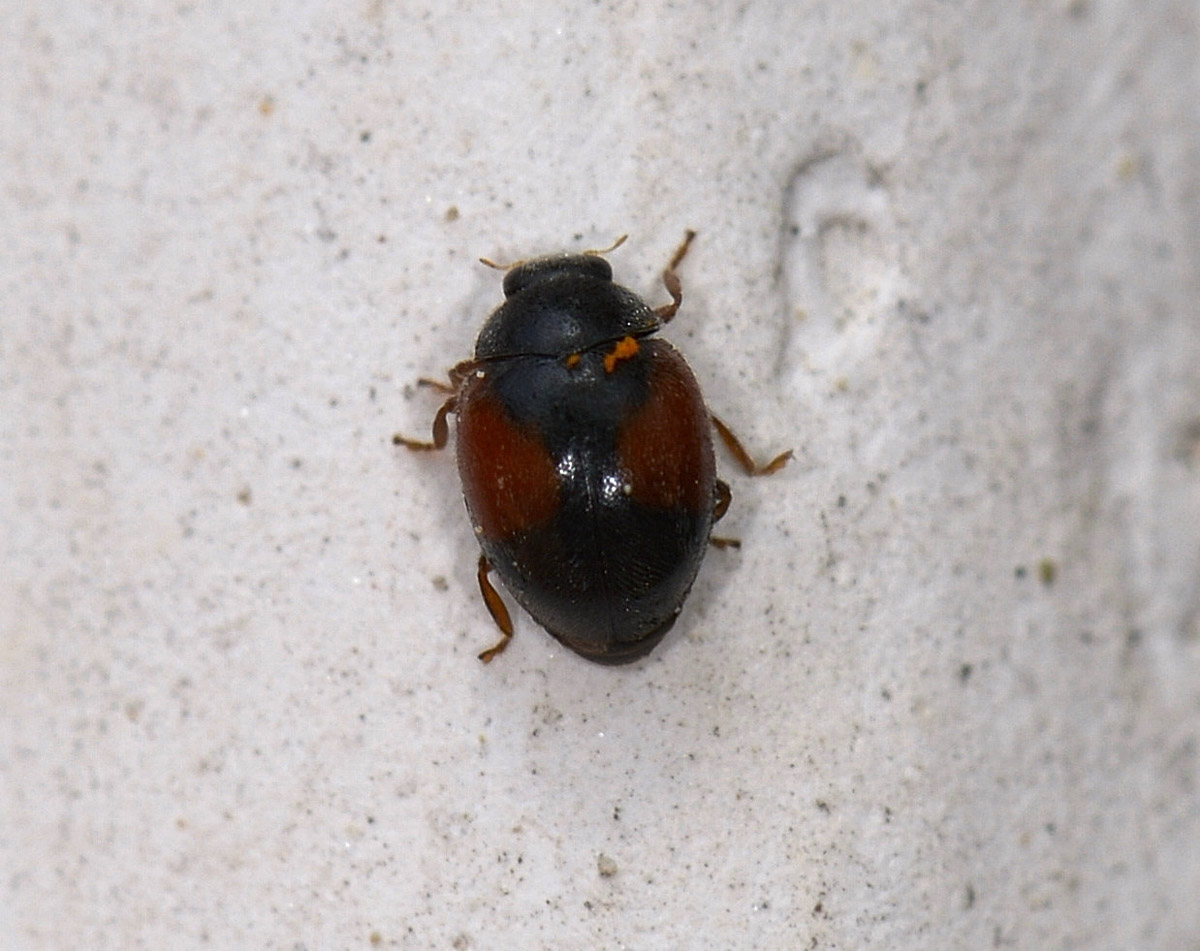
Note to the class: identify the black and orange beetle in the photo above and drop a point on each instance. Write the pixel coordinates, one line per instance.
(586, 457)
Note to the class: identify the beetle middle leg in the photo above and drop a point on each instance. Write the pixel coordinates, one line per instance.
(745, 460)
(671, 279)
(495, 606)
(441, 429)
(723, 496)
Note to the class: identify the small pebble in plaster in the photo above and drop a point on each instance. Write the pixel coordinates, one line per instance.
(586, 457)
(605, 866)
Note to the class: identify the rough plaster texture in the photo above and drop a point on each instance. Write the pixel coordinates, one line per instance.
(946, 696)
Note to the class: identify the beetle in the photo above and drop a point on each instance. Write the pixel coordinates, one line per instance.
(586, 457)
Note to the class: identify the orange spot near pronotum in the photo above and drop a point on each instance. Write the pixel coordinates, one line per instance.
(622, 351)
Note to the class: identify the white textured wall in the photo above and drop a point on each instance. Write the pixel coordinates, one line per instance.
(946, 696)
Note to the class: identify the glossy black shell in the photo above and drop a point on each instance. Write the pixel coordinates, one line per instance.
(589, 477)
(561, 305)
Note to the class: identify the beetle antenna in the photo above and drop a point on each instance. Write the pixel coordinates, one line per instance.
(502, 267)
(591, 253)
(612, 247)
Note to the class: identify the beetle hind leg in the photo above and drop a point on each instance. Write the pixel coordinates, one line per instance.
(496, 608)
(722, 496)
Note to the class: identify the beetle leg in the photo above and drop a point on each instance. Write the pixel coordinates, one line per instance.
(441, 430)
(437, 385)
(671, 279)
(744, 460)
(495, 606)
(721, 501)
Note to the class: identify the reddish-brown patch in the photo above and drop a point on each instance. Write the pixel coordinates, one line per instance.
(665, 446)
(508, 478)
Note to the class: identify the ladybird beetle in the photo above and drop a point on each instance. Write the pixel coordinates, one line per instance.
(585, 456)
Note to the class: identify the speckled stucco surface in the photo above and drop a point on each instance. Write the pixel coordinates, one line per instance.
(946, 695)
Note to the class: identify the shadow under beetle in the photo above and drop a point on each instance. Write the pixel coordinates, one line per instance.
(586, 457)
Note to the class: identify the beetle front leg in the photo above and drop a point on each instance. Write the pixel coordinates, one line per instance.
(671, 279)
